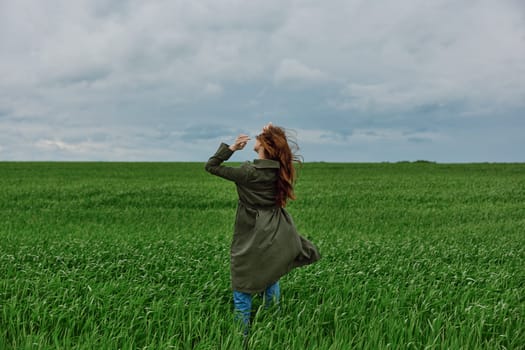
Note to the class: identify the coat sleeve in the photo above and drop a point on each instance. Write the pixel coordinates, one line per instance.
(213, 166)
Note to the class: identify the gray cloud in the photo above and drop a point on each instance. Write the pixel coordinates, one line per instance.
(206, 132)
(131, 79)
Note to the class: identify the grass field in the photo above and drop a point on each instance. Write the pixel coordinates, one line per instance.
(135, 255)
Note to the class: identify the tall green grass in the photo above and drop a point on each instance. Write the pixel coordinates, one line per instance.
(135, 255)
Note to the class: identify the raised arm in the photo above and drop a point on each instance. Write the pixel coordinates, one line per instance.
(236, 174)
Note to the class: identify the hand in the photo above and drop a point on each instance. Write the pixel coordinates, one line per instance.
(240, 142)
(267, 126)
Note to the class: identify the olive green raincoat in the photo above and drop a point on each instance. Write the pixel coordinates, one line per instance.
(265, 242)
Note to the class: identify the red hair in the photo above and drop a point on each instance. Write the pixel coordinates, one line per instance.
(276, 146)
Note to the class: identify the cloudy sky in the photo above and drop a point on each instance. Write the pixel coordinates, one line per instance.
(356, 80)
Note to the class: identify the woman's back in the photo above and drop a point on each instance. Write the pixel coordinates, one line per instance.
(260, 188)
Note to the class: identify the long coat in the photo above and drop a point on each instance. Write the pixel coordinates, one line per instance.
(265, 243)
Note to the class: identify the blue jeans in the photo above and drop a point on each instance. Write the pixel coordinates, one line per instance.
(242, 302)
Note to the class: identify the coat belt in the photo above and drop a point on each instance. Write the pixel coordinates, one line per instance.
(258, 207)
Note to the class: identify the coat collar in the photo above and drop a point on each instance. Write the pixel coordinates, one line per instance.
(266, 163)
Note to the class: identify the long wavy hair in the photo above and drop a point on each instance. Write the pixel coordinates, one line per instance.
(281, 146)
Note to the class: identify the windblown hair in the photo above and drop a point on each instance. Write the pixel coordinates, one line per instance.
(281, 147)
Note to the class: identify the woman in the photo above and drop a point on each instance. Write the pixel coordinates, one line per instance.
(265, 242)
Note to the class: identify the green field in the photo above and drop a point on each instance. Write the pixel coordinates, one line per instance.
(136, 255)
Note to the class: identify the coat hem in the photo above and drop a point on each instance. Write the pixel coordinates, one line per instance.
(255, 291)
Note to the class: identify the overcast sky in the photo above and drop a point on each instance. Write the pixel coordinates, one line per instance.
(358, 81)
